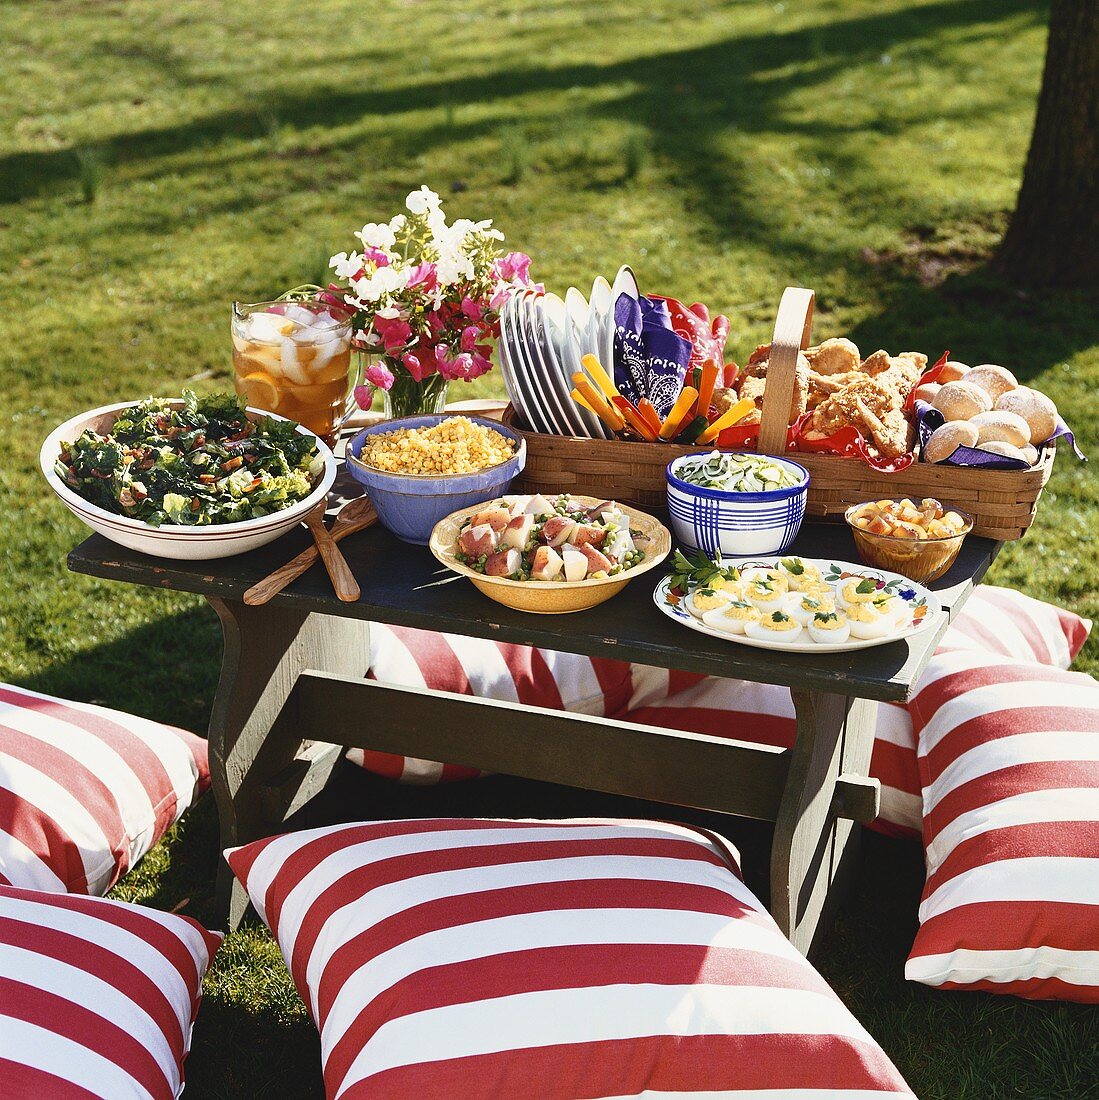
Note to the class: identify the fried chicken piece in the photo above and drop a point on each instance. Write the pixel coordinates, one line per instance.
(872, 409)
(836, 356)
(897, 373)
(752, 381)
(822, 386)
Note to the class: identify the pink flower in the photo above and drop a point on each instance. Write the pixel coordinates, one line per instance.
(472, 309)
(435, 323)
(364, 397)
(502, 294)
(394, 332)
(376, 257)
(514, 266)
(415, 366)
(479, 365)
(379, 376)
(452, 369)
(469, 337)
(424, 276)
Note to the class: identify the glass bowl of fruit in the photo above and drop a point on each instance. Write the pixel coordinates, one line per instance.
(918, 539)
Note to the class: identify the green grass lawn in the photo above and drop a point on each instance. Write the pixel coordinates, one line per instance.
(157, 161)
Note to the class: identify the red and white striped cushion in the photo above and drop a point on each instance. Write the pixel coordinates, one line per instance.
(585, 958)
(1012, 624)
(1009, 758)
(85, 791)
(489, 670)
(764, 714)
(998, 620)
(97, 998)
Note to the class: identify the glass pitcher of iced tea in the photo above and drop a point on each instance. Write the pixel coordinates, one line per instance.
(294, 358)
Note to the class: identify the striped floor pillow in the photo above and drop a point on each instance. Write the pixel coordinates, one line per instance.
(1009, 759)
(489, 670)
(1012, 624)
(999, 620)
(97, 998)
(85, 791)
(764, 714)
(558, 959)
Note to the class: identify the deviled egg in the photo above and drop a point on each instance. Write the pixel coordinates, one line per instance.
(775, 627)
(867, 621)
(898, 611)
(765, 573)
(734, 617)
(766, 593)
(802, 606)
(800, 574)
(829, 628)
(856, 590)
(706, 599)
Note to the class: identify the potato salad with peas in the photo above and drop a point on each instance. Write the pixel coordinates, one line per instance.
(537, 538)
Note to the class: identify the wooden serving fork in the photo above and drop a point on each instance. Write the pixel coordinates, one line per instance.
(354, 516)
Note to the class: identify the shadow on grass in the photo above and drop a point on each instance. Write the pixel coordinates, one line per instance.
(684, 97)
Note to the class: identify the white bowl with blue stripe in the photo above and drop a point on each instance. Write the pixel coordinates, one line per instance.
(735, 525)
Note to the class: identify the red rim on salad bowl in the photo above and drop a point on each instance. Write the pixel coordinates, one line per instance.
(552, 597)
(214, 540)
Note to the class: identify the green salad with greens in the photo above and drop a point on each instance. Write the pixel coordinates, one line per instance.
(203, 463)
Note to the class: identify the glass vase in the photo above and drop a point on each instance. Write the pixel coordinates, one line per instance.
(407, 397)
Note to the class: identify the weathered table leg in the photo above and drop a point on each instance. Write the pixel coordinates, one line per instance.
(251, 737)
(813, 847)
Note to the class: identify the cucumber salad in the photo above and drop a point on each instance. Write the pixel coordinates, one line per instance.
(737, 473)
(200, 464)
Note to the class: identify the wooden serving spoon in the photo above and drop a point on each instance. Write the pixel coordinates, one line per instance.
(354, 516)
(339, 572)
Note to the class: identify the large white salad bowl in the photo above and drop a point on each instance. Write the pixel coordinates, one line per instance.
(216, 540)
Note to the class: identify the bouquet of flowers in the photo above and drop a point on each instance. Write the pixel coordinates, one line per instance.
(426, 297)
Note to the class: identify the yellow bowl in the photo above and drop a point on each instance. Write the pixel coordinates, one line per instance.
(552, 597)
(920, 560)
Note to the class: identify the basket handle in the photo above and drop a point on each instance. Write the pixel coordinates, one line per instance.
(793, 328)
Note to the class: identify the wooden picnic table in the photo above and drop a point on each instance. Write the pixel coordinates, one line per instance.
(293, 696)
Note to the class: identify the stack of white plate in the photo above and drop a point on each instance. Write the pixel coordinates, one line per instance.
(542, 340)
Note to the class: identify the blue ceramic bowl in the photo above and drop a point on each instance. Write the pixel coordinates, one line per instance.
(410, 505)
(736, 525)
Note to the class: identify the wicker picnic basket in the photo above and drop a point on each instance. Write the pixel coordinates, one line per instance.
(1002, 502)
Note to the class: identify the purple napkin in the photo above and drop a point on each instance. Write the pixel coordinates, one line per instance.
(630, 374)
(650, 359)
(928, 418)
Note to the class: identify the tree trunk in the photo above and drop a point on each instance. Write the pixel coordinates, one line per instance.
(1053, 238)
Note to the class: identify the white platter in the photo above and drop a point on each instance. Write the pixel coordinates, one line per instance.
(548, 382)
(510, 330)
(546, 316)
(924, 603)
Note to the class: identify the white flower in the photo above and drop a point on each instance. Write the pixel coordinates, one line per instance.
(366, 289)
(452, 267)
(345, 266)
(397, 223)
(374, 235)
(421, 201)
(389, 313)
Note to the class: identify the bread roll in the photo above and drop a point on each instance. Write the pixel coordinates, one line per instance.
(952, 372)
(995, 380)
(1034, 407)
(946, 439)
(1005, 427)
(960, 401)
(1030, 453)
(999, 447)
(927, 392)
